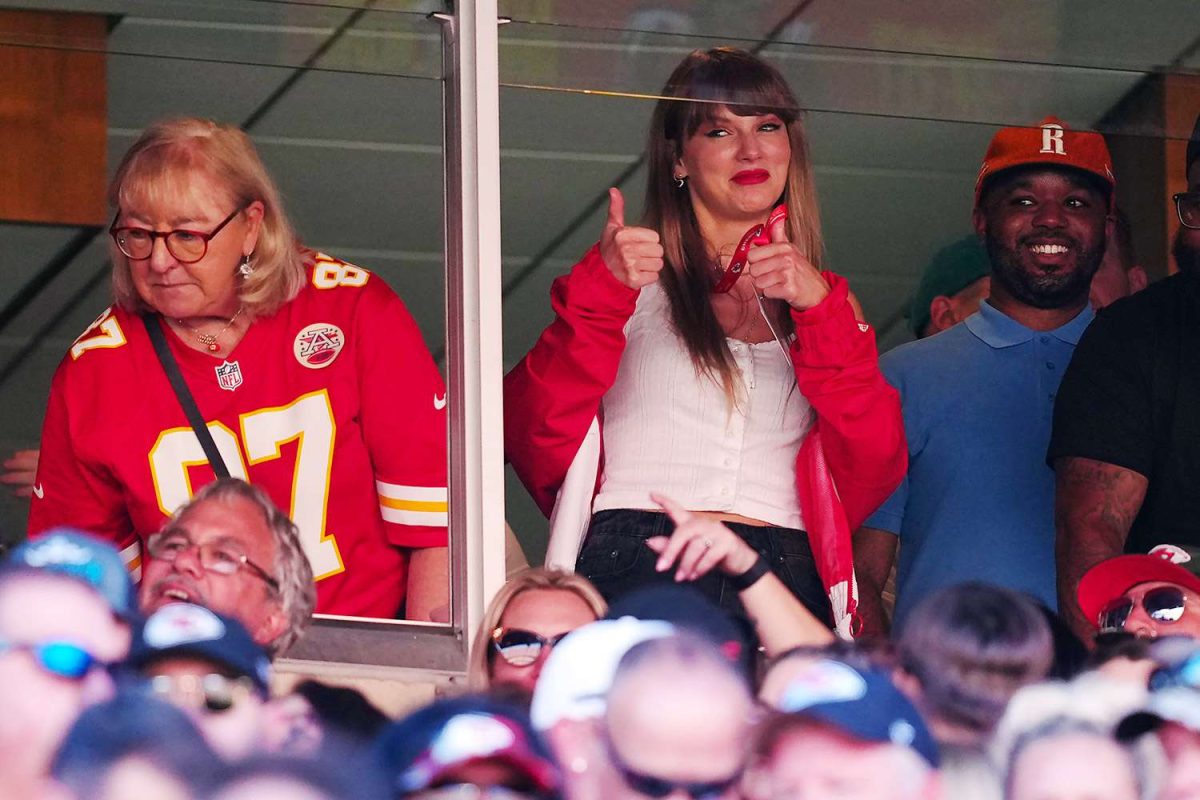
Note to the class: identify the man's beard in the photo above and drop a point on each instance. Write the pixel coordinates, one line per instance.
(1042, 289)
(1187, 254)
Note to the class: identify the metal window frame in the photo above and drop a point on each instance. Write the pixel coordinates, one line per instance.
(474, 365)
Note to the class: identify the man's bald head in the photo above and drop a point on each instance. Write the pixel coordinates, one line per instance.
(679, 712)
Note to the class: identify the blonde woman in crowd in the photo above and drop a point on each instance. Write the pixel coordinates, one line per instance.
(530, 614)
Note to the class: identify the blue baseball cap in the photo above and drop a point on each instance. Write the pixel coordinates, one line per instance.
(863, 703)
(97, 564)
(185, 629)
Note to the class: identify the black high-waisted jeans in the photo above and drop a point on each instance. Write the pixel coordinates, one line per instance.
(616, 559)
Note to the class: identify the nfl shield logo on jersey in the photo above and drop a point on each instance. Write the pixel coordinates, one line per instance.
(229, 375)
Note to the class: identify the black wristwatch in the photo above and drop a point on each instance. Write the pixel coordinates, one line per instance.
(751, 576)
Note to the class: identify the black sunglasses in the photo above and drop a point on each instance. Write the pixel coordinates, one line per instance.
(1163, 604)
(520, 647)
(653, 786)
(213, 692)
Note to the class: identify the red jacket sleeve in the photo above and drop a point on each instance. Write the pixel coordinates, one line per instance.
(554, 393)
(858, 413)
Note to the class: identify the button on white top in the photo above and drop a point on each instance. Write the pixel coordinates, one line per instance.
(668, 429)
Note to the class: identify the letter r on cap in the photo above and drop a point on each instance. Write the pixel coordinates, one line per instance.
(1052, 139)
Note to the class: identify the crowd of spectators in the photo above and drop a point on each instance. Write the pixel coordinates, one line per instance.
(982, 694)
(1019, 620)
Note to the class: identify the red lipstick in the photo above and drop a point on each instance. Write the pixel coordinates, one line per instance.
(749, 177)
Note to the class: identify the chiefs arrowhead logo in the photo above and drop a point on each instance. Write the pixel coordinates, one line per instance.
(317, 345)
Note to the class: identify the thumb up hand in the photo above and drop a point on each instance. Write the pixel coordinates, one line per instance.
(779, 270)
(633, 255)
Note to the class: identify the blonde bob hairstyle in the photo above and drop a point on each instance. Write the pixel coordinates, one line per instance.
(163, 163)
(479, 673)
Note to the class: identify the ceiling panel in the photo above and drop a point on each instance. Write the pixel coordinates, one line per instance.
(378, 199)
(1098, 33)
(28, 249)
(358, 110)
(824, 79)
(144, 88)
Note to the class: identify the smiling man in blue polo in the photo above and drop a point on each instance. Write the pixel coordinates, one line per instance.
(978, 500)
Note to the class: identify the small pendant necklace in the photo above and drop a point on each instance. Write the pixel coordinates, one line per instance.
(211, 340)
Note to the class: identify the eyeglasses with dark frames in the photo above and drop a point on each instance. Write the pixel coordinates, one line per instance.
(653, 786)
(185, 246)
(1163, 604)
(220, 557)
(213, 692)
(520, 647)
(1187, 206)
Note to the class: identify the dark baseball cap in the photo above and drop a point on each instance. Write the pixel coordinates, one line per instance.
(863, 703)
(97, 564)
(181, 629)
(687, 609)
(952, 269)
(429, 745)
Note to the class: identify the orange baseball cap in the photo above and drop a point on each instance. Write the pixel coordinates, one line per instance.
(1051, 142)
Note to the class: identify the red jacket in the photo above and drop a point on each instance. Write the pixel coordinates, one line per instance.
(852, 459)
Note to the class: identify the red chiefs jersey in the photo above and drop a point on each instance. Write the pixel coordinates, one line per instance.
(332, 405)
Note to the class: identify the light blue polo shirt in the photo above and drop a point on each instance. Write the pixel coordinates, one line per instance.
(978, 500)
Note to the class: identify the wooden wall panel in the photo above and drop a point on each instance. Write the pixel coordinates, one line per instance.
(1147, 133)
(53, 117)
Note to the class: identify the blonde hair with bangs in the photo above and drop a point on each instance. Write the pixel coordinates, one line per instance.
(703, 83)
(479, 673)
(162, 164)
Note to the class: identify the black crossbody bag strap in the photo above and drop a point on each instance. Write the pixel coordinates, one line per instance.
(171, 367)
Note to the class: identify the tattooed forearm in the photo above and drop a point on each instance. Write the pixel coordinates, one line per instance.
(1095, 505)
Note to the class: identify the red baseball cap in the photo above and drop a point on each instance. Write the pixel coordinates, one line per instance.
(1110, 579)
(1051, 142)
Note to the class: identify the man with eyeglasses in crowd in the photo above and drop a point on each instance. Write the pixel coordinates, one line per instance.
(677, 721)
(209, 666)
(65, 605)
(1147, 595)
(1126, 441)
(230, 549)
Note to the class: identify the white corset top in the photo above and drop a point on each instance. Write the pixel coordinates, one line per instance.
(669, 429)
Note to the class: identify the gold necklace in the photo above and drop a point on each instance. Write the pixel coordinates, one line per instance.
(210, 340)
(753, 325)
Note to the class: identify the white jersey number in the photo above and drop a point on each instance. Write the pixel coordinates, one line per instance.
(308, 421)
(103, 334)
(329, 273)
